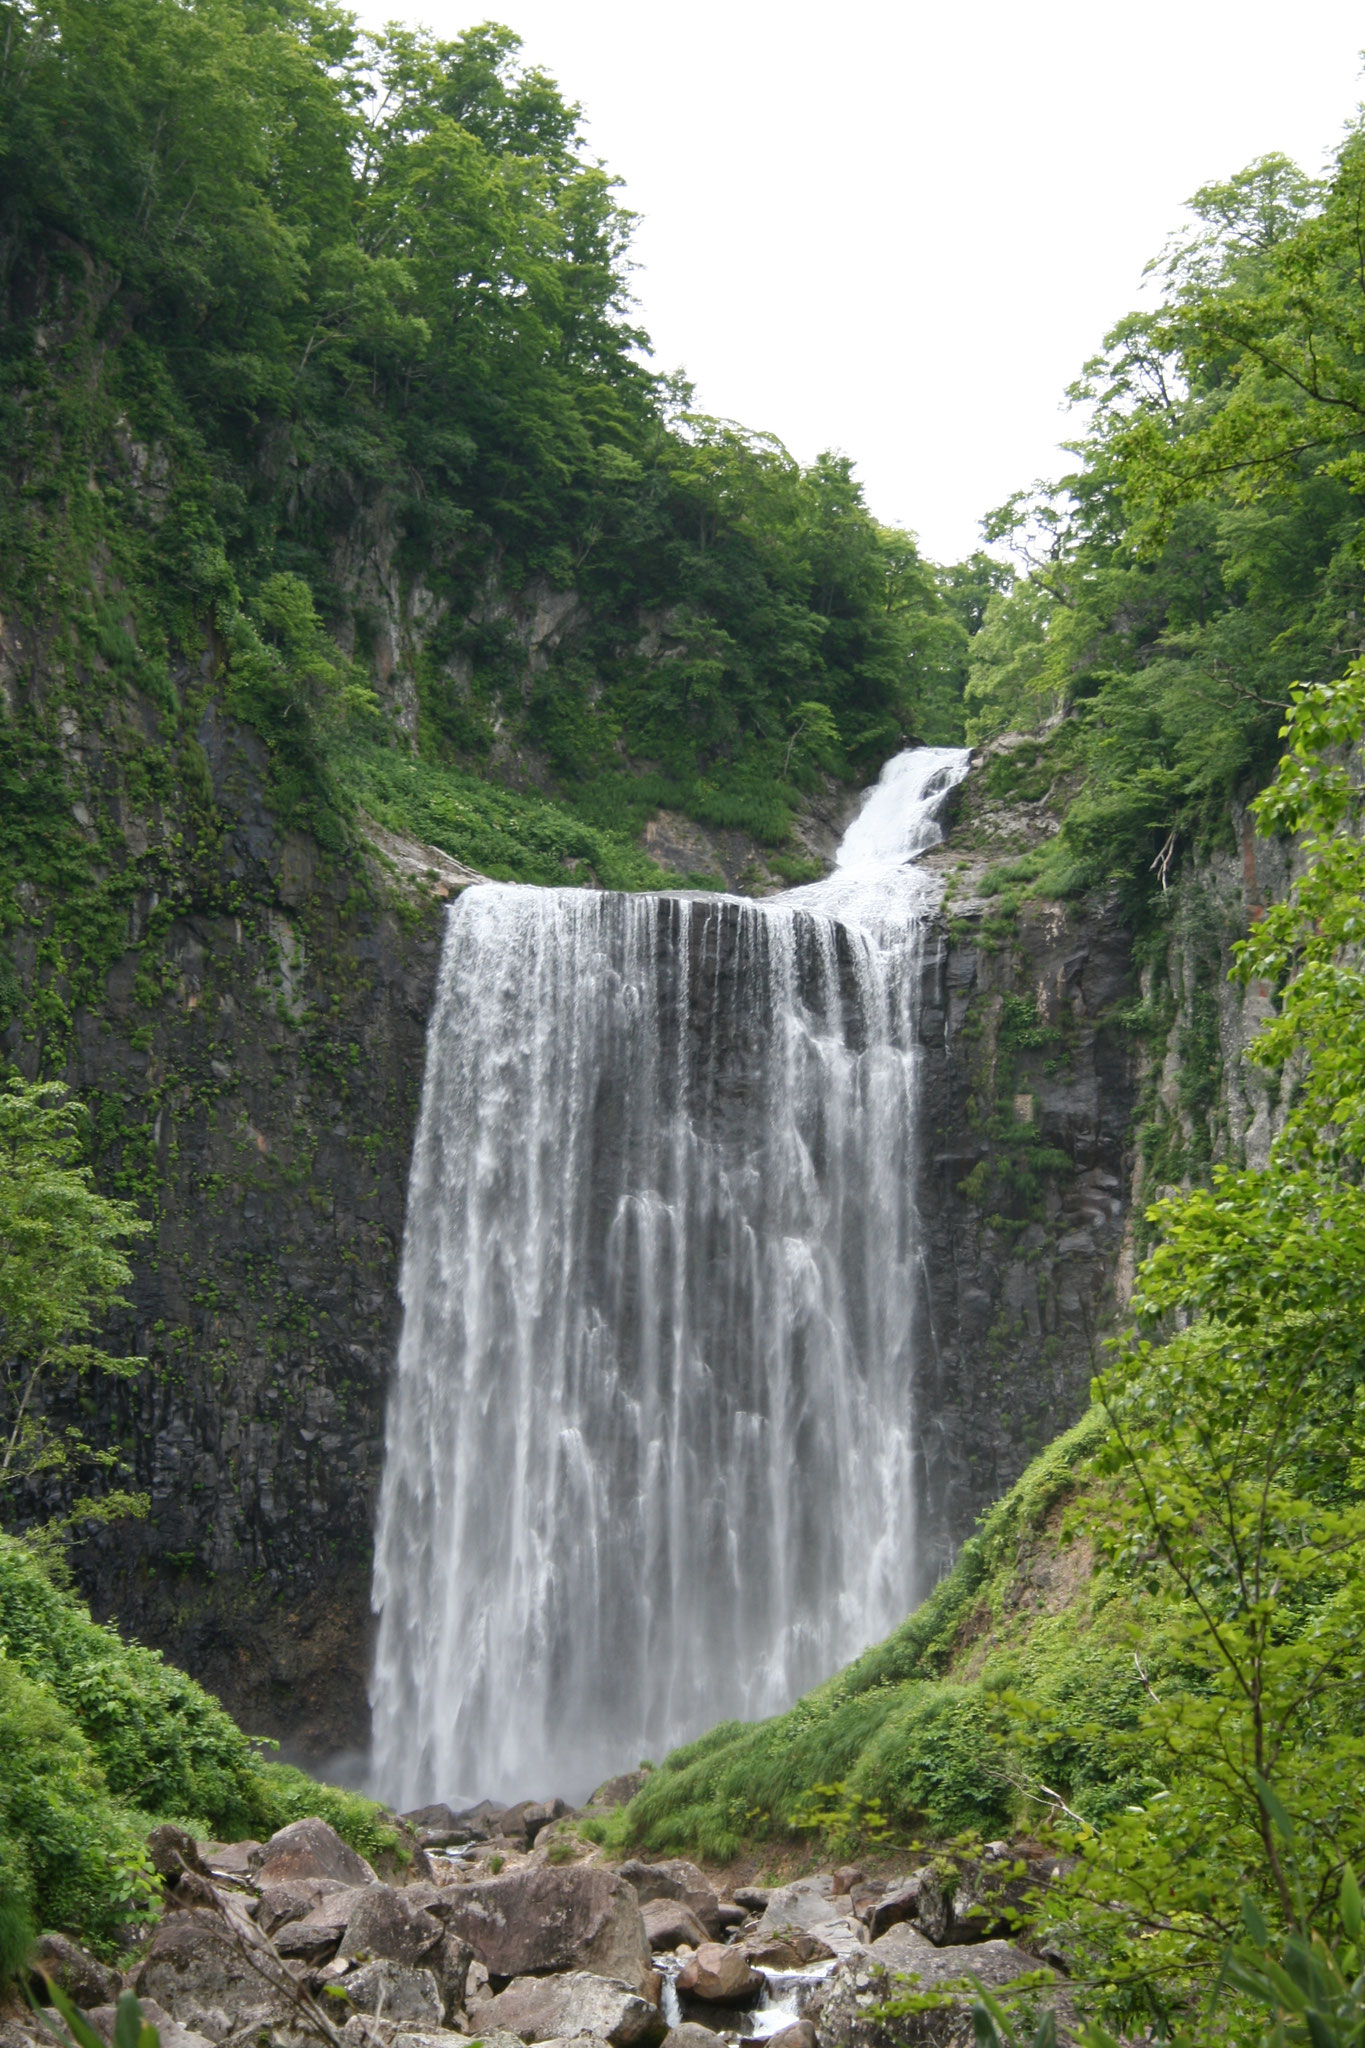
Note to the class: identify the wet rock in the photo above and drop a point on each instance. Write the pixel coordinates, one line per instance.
(173, 1851)
(76, 1973)
(688, 2034)
(848, 2016)
(720, 1976)
(544, 2008)
(548, 1917)
(899, 1903)
(395, 1991)
(791, 1951)
(381, 1923)
(204, 1977)
(669, 1923)
(280, 1904)
(802, 2035)
(309, 1848)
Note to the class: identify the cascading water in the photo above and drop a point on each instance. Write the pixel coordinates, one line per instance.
(649, 1448)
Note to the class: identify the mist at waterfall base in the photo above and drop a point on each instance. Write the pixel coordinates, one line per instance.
(650, 1446)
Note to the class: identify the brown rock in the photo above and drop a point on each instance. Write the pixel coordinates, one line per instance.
(848, 1877)
(802, 2035)
(79, 1975)
(790, 1951)
(720, 1976)
(309, 1848)
(669, 1923)
(676, 1879)
(689, 2034)
(548, 1917)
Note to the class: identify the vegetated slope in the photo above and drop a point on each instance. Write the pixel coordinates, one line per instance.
(99, 1739)
(320, 381)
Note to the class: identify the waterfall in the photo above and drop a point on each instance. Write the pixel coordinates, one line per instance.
(649, 1448)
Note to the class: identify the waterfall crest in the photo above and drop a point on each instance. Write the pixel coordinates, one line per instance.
(649, 1450)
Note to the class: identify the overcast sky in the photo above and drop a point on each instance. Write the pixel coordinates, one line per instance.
(899, 230)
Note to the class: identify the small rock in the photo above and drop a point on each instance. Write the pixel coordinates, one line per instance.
(688, 2034)
(791, 1951)
(619, 1791)
(720, 1976)
(309, 1848)
(669, 1923)
(79, 1975)
(394, 1991)
(546, 2008)
(802, 2035)
(848, 1877)
(729, 1914)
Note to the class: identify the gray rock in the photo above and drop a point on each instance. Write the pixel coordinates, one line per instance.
(848, 2019)
(309, 1848)
(395, 1991)
(619, 1791)
(753, 1897)
(315, 1937)
(228, 1859)
(669, 1923)
(280, 1904)
(548, 1917)
(202, 1976)
(382, 1923)
(807, 1903)
(173, 2035)
(680, 1880)
(547, 2008)
(78, 1974)
(899, 1903)
(173, 1851)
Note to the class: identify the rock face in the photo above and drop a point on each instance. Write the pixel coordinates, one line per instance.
(309, 1848)
(539, 1919)
(554, 2008)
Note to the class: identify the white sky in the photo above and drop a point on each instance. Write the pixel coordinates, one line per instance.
(900, 229)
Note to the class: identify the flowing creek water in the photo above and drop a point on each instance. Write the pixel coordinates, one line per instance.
(649, 1457)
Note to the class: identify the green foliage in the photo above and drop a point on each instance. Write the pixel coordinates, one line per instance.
(62, 1264)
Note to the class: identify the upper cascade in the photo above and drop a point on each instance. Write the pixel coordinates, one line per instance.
(651, 1448)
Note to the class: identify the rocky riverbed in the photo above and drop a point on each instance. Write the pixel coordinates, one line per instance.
(506, 1926)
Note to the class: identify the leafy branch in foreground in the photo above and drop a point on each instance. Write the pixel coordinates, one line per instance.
(62, 1266)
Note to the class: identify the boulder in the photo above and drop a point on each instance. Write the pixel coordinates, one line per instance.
(729, 1914)
(848, 2015)
(982, 1898)
(791, 1951)
(720, 1976)
(315, 1937)
(438, 1826)
(202, 1975)
(903, 1947)
(753, 1897)
(849, 1877)
(669, 1923)
(173, 1851)
(309, 1848)
(899, 1902)
(688, 2034)
(807, 1903)
(395, 1991)
(282, 1903)
(618, 1791)
(173, 2035)
(83, 1979)
(801, 2035)
(382, 1923)
(676, 1879)
(547, 2008)
(228, 1859)
(552, 1917)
